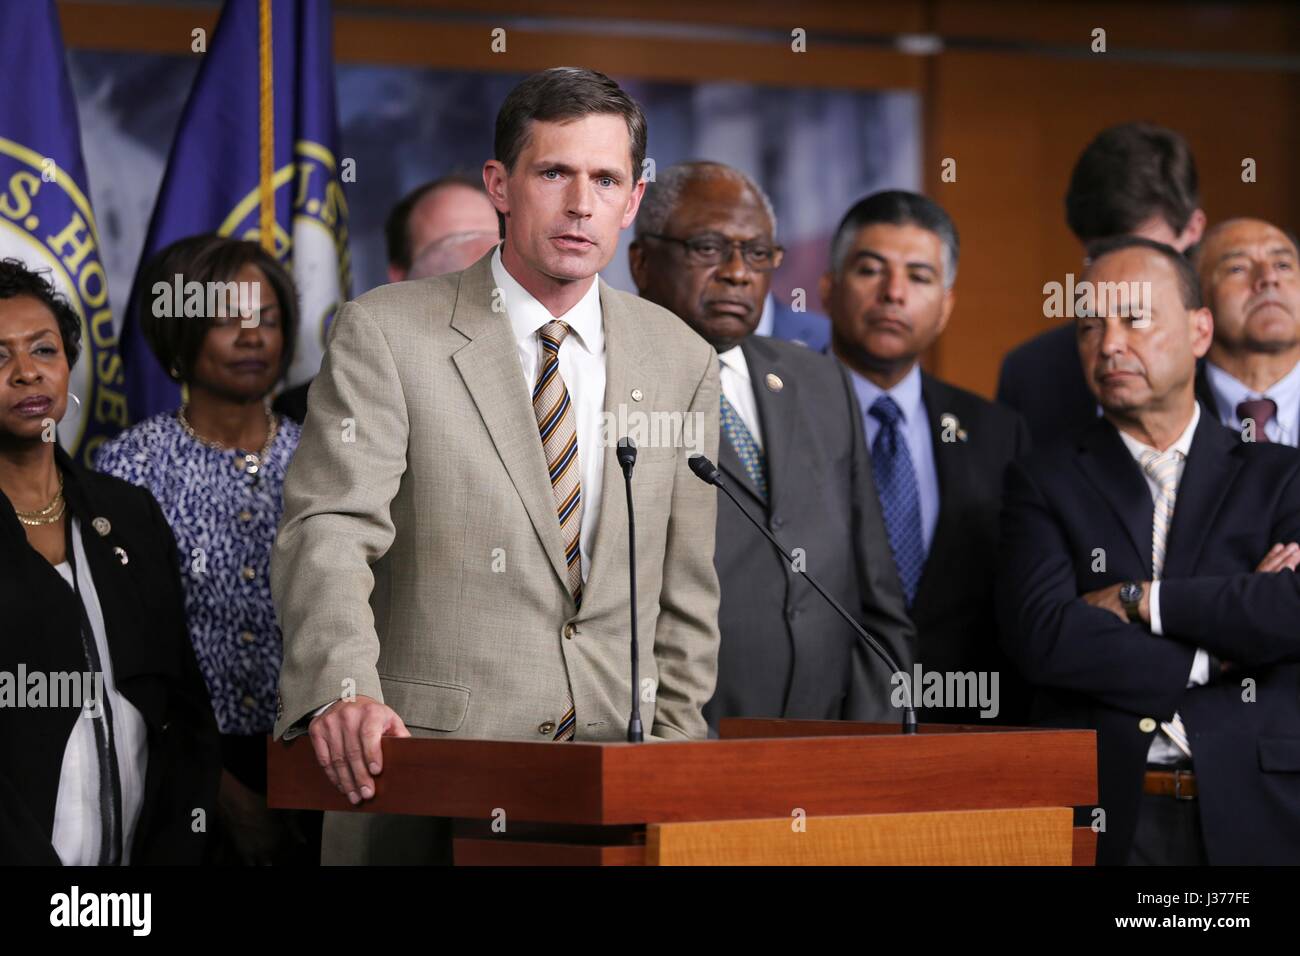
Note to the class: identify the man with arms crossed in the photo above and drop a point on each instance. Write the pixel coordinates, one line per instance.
(1148, 588)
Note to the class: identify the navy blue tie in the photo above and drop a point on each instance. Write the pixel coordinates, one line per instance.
(900, 499)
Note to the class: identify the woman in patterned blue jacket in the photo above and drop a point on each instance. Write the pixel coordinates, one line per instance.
(216, 465)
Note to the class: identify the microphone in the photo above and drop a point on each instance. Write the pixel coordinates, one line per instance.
(626, 460)
(707, 472)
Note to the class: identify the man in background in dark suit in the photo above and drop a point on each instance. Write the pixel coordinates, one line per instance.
(938, 452)
(1148, 589)
(1133, 179)
(1250, 278)
(780, 321)
(440, 227)
(792, 449)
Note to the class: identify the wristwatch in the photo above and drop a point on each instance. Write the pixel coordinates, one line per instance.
(1130, 595)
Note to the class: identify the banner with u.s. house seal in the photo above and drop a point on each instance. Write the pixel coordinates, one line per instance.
(257, 143)
(45, 215)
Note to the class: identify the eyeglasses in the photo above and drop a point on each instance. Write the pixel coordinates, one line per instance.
(714, 250)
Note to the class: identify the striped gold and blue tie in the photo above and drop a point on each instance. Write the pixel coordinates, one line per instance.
(556, 423)
(1163, 469)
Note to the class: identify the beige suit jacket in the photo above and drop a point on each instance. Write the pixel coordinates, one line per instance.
(420, 562)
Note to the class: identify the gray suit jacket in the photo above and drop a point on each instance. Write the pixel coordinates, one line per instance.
(785, 652)
(420, 560)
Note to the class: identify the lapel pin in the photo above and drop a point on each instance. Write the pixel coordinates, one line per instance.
(103, 526)
(774, 383)
(637, 394)
(121, 555)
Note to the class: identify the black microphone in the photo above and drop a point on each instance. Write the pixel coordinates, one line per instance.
(708, 473)
(626, 460)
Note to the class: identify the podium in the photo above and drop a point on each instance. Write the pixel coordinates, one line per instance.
(768, 792)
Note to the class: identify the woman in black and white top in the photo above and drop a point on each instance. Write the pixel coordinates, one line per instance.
(108, 746)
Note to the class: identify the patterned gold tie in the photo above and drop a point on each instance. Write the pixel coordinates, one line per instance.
(556, 424)
(1163, 469)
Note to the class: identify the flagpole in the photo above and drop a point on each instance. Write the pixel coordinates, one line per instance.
(266, 192)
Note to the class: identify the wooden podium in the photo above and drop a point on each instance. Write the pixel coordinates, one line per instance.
(768, 792)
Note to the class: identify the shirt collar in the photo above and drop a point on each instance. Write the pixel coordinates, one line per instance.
(734, 359)
(906, 394)
(527, 315)
(767, 320)
(1183, 445)
(1229, 392)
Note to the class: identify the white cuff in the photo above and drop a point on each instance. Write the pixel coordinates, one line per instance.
(1155, 609)
(1200, 669)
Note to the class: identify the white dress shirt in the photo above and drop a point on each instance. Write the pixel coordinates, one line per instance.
(77, 822)
(739, 390)
(1284, 427)
(1162, 751)
(582, 366)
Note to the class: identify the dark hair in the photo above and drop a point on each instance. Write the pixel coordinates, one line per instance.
(176, 340)
(565, 93)
(1189, 287)
(397, 227)
(16, 279)
(1128, 174)
(898, 208)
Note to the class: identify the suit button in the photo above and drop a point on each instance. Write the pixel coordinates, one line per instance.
(247, 637)
(248, 574)
(246, 515)
(569, 631)
(546, 727)
(794, 612)
(1147, 725)
(777, 524)
(248, 702)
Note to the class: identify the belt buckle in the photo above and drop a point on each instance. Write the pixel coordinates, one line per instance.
(1179, 776)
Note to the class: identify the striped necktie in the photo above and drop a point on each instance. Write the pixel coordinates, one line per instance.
(556, 424)
(1163, 469)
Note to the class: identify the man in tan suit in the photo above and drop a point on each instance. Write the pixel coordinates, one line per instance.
(453, 555)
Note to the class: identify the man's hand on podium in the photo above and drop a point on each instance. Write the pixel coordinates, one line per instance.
(346, 737)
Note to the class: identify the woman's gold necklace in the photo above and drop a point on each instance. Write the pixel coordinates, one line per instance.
(50, 514)
(248, 462)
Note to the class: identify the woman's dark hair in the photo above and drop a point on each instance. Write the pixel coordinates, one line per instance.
(177, 339)
(16, 279)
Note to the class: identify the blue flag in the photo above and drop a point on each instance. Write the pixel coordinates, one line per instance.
(45, 215)
(218, 180)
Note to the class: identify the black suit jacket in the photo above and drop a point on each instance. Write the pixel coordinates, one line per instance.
(1234, 501)
(785, 652)
(1043, 380)
(153, 665)
(293, 402)
(954, 611)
